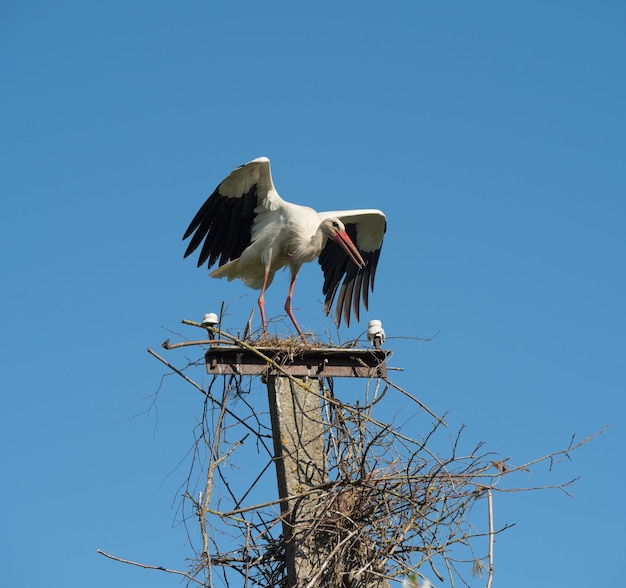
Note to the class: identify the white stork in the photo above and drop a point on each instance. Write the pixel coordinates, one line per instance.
(253, 232)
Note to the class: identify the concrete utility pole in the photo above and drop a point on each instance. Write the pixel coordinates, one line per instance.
(298, 433)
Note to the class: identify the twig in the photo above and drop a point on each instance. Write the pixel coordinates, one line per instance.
(150, 567)
(200, 388)
(408, 395)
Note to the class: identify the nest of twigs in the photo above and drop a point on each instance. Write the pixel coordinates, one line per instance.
(346, 533)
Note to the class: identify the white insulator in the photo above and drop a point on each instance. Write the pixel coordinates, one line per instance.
(210, 319)
(375, 331)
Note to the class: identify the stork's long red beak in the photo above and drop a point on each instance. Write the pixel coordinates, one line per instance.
(349, 247)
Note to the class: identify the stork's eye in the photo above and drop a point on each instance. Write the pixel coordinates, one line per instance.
(335, 224)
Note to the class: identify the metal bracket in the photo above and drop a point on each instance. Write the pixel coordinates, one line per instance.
(313, 362)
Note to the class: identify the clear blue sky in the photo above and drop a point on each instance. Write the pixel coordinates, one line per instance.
(492, 135)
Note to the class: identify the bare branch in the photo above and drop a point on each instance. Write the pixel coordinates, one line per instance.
(150, 567)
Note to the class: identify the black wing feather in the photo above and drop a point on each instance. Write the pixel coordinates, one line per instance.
(358, 285)
(225, 226)
(336, 266)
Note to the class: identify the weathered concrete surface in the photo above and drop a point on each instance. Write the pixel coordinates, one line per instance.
(298, 433)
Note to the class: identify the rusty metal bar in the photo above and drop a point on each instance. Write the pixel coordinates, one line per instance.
(313, 362)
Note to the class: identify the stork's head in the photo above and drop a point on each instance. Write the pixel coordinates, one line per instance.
(334, 229)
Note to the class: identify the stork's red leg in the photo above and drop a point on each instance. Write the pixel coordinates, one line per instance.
(262, 301)
(288, 307)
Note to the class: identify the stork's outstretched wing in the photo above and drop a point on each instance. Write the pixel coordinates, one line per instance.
(225, 222)
(366, 228)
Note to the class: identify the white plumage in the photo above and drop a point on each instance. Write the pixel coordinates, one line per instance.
(251, 232)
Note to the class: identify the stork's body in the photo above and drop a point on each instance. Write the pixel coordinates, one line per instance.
(254, 232)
